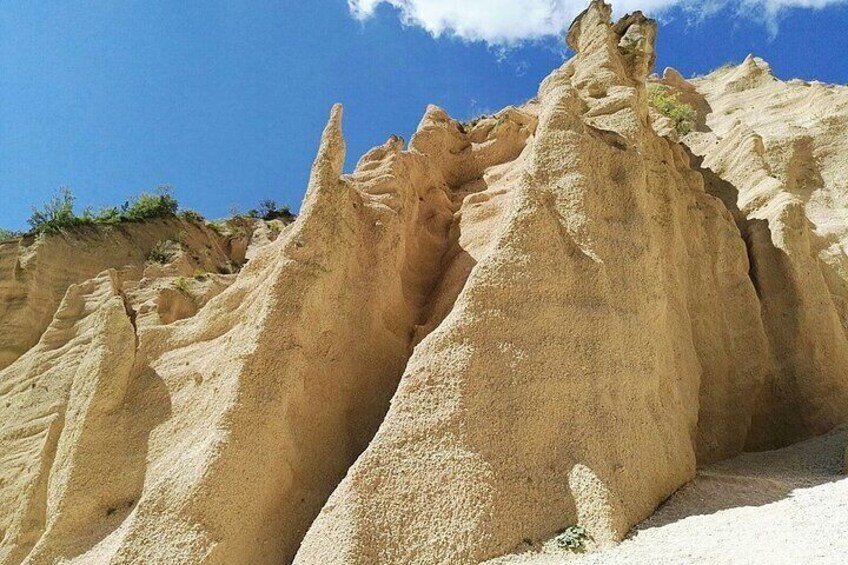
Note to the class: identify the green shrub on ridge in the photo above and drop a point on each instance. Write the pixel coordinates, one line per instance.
(58, 214)
(668, 103)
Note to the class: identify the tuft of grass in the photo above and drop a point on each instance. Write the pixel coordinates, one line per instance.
(108, 216)
(181, 284)
(573, 538)
(668, 103)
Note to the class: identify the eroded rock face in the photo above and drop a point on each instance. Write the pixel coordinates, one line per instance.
(548, 318)
(780, 167)
(36, 272)
(578, 400)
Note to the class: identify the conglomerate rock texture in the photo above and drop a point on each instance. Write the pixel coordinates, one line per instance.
(551, 317)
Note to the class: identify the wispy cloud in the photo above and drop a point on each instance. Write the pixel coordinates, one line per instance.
(508, 22)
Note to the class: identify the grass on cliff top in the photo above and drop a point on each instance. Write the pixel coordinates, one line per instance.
(6, 235)
(58, 214)
(668, 103)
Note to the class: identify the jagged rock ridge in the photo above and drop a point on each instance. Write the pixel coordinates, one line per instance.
(462, 346)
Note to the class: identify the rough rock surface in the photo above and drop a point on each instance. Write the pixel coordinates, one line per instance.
(551, 317)
(36, 272)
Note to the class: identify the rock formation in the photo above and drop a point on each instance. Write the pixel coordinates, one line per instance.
(462, 347)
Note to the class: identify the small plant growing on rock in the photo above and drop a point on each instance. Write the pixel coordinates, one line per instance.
(161, 253)
(181, 284)
(573, 538)
(668, 103)
(469, 124)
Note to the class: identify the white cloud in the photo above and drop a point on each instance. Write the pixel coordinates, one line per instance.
(506, 22)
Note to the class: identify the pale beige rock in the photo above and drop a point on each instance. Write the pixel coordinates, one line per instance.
(36, 272)
(608, 330)
(549, 317)
(775, 153)
(69, 467)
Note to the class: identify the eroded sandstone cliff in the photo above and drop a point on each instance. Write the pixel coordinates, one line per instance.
(458, 349)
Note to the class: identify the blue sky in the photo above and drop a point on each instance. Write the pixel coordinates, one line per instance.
(226, 102)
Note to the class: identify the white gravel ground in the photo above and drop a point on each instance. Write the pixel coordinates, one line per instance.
(788, 506)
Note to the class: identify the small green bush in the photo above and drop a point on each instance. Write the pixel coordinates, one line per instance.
(181, 284)
(108, 216)
(668, 103)
(268, 211)
(160, 204)
(573, 538)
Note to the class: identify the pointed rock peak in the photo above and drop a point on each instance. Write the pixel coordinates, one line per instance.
(638, 36)
(329, 163)
(433, 115)
(331, 152)
(332, 148)
(598, 12)
(392, 146)
(631, 40)
(437, 132)
(752, 72)
(755, 66)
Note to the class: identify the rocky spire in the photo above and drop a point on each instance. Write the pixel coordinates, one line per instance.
(610, 54)
(329, 163)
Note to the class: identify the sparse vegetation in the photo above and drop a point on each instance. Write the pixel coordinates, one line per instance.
(268, 211)
(58, 214)
(160, 204)
(668, 103)
(181, 284)
(469, 124)
(162, 252)
(108, 216)
(6, 235)
(192, 216)
(573, 538)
